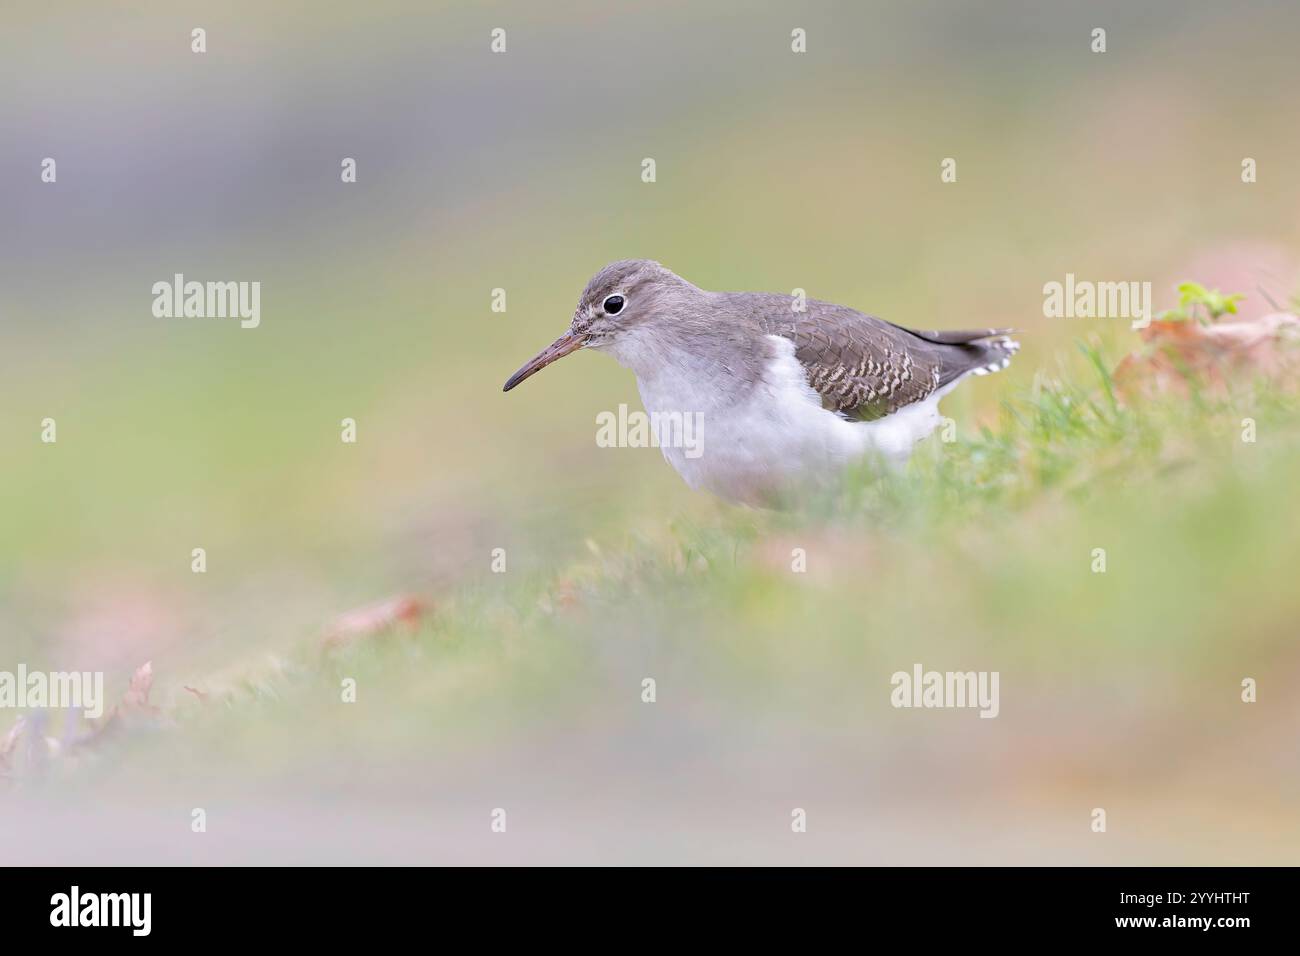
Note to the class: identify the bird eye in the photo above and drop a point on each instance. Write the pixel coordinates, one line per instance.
(613, 304)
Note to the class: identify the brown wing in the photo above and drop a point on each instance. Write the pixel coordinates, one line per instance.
(866, 367)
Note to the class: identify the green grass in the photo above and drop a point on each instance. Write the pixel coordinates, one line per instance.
(984, 545)
(1119, 686)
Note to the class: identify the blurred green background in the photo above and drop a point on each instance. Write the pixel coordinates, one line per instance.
(522, 171)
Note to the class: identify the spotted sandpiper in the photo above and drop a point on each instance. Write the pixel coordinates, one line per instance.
(785, 389)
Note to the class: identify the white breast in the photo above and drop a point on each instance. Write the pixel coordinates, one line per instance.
(778, 435)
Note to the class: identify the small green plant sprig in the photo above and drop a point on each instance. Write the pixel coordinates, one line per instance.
(1197, 302)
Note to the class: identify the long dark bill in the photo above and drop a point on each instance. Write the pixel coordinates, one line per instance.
(566, 343)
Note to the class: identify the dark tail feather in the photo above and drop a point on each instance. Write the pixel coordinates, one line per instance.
(974, 350)
(993, 356)
(963, 337)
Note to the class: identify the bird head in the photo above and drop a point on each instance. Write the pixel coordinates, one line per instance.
(621, 300)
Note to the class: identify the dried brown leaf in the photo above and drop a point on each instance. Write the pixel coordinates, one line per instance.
(10, 740)
(402, 611)
(9, 745)
(137, 693)
(134, 703)
(1178, 355)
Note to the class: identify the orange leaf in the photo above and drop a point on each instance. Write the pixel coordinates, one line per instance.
(1178, 354)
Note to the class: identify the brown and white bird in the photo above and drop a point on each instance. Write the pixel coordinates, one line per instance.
(783, 395)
